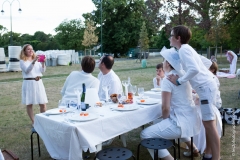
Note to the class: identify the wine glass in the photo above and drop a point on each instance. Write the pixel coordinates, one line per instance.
(106, 88)
(62, 106)
(134, 90)
(73, 105)
(141, 92)
(125, 84)
(78, 92)
(121, 98)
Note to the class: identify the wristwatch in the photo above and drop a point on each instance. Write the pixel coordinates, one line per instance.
(178, 82)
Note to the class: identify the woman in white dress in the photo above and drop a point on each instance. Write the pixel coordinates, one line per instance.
(33, 91)
(180, 117)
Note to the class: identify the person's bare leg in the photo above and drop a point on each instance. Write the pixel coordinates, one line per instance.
(212, 138)
(207, 149)
(30, 112)
(42, 108)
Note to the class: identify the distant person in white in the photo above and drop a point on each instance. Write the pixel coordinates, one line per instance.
(108, 77)
(77, 78)
(179, 113)
(202, 82)
(232, 59)
(159, 76)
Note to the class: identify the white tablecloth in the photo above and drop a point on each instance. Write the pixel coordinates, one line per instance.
(65, 140)
(153, 94)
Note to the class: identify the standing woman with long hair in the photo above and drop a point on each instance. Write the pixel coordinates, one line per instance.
(33, 91)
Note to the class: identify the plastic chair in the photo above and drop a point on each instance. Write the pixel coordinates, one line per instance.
(156, 144)
(39, 153)
(114, 153)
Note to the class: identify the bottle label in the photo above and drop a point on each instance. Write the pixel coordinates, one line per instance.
(83, 106)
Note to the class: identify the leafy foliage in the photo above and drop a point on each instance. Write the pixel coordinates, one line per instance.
(70, 34)
(143, 38)
(89, 37)
(121, 23)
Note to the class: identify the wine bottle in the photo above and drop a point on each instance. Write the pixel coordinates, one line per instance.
(83, 106)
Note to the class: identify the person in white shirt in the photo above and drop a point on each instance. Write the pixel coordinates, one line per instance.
(33, 91)
(232, 59)
(77, 78)
(202, 82)
(180, 117)
(108, 77)
(159, 77)
(213, 68)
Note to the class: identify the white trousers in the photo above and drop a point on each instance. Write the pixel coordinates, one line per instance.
(154, 131)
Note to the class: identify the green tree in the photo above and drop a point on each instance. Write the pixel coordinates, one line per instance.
(143, 38)
(89, 37)
(232, 22)
(70, 34)
(160, 40)
(121, 23)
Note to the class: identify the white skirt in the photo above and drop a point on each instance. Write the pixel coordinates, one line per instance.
(33, 92)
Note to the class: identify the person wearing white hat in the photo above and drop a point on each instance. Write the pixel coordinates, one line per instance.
(202, 82)
(178, 108)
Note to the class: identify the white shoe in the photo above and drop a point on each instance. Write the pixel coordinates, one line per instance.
(188, 154)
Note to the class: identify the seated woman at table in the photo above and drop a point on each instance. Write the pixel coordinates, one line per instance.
(77, 78)
(159, 77)
(180, 117)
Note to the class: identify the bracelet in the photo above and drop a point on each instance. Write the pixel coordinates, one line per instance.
(33, 63)
(177, 82)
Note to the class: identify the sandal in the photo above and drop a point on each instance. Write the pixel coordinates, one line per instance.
(195, 153)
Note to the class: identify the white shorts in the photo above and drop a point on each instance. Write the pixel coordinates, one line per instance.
(207, 98)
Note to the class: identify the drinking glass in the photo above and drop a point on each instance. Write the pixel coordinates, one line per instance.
(73, 104)
(121, 98)
(140, 92)
(106, 88)
(134, 90)
(125, 84)
(62, 106)
(78, 92)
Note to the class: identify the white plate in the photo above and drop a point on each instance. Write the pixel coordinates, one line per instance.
(126, 107)
(91, 116)
(144, 97)
(156, 89)
(57, 111)
(149, 101)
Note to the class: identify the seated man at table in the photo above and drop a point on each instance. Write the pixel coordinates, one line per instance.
(77, 78)
(108, 77)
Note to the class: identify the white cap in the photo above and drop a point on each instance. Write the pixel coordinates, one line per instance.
(171, 55)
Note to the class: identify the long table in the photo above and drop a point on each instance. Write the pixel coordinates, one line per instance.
(67, 140)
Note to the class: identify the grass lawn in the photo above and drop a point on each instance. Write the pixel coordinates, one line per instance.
(15, 126)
